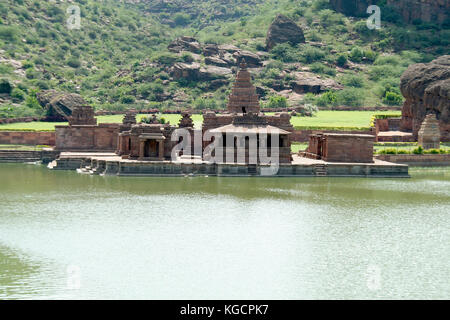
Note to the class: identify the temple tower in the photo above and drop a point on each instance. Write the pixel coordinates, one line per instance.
(243, 97)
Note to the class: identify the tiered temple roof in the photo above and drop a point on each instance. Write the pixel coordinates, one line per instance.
(243, 97)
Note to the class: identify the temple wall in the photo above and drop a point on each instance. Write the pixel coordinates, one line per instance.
(102, 137)
(28, 137)
(348, 148)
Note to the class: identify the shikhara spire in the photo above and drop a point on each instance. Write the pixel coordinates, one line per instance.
(243, 97)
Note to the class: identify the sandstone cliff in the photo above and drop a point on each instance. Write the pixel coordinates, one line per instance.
(426, 87)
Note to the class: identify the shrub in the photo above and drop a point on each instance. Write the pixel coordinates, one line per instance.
(352, 80)
(9, 33)
(74, 63)
(181, 19)
(352, 97)
(327, 99)
(418, 150)
(17, 95)
(318, 67)
(341, 60)
(285, 52)
(5, 86)
(276, 102)
(127, 99)
(311, 54)
(393, 99)
(356, 54)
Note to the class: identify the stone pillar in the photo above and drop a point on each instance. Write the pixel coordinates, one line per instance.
(161, 149)
(141, 149)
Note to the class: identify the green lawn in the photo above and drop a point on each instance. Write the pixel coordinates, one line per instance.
(338, 119)
(323, 119)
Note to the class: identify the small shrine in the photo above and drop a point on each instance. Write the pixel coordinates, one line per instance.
(429, 135)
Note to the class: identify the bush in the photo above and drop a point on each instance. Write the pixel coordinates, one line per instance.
(393, 99)
(311, 54)
(285, 52)
(276, 102)
(182, 19)
(74, 63)
(350, 97)
(127, 99)
(5, 86)
(341, 60)
(318, 67)
(418, 150)
(327, 99)
(356, 55)
(9, 33)
(352, 80)
(17, 95)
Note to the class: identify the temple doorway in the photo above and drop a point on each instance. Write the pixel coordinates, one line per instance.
(151, 149)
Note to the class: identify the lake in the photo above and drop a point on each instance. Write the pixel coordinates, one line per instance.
(70, 236)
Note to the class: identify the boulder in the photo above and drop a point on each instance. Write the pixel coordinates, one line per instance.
(185, 44)
(284, 30)
(426, 88)
(216, 61)
(252, 59)
(195, 72)
(59, 105)
(211, 50)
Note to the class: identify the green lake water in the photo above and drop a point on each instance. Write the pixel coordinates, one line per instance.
(70, 236)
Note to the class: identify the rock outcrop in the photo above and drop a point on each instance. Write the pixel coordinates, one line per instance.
(436, 11)
(284, 30)
(306, 82)
(59, 105)
(185, 44)
(426, 88)
(196, 72)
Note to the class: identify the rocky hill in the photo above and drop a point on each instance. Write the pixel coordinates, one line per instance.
(183, 54)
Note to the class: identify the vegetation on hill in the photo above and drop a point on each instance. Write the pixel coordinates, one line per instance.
(119, 59)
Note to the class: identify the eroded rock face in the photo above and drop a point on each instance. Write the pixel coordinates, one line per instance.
(284, 30)
(59, 105)
(306, 82)
(426, 88)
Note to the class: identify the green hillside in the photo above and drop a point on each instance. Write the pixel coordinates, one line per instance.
(119, 58)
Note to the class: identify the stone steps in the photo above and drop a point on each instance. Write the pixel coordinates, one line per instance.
(320, 170)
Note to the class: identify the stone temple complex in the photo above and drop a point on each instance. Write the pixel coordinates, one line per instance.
(242, 141)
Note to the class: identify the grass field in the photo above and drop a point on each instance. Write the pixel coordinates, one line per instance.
(323, 119)
(405, 146)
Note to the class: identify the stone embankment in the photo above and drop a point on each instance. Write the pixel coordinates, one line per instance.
(18, 156)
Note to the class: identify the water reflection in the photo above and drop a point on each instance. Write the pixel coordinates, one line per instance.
(233, 238)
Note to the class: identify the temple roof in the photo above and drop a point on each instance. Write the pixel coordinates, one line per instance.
(249, 128)
(243, 97)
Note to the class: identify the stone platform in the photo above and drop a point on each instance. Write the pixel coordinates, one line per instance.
(111, 164)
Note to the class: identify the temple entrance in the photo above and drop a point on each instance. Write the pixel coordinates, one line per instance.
(151, 149)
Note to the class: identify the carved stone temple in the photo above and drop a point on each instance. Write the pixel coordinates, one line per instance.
(429, 134)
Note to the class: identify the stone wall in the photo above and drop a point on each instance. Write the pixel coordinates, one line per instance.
(348, 148)
(419, 160)
(102, 137)
(303, 135)
(28, 137)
